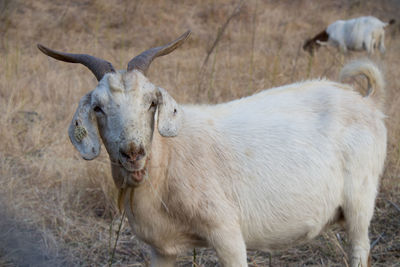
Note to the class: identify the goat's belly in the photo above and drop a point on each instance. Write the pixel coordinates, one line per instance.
(282, 234)
(276, 220)
(277, 240)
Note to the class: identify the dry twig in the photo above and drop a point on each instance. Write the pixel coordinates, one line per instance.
(221, 31)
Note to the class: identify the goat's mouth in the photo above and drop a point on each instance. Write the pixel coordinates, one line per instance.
(137, 176)
(132, 165)
(133, 173)
(124, 178)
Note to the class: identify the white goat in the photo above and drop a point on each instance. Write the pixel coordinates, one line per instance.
(263, 172)
(363, 33)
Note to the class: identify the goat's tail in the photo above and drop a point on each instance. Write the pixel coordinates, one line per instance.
(376, 84)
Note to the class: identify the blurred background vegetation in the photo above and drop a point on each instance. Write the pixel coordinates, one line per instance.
(59, 210)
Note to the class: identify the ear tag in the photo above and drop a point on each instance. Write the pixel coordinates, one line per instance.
(79, 133)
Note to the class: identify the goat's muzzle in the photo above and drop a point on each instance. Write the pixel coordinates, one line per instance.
(132, 156)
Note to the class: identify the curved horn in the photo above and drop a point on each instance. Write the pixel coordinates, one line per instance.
(142, 62)
(98, 66)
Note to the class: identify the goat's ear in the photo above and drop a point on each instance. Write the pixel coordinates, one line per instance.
(169, 115)
(83, 131)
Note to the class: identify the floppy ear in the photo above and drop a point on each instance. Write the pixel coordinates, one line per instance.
(83, 131)
(169, 115)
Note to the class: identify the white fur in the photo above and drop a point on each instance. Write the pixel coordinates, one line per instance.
(264, 172)
(363, 33)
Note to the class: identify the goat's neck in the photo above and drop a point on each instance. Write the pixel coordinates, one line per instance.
(158, 164)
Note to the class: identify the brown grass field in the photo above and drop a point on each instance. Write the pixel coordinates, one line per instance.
(58, 210)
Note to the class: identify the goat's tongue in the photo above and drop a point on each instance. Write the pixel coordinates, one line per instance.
(138, 175)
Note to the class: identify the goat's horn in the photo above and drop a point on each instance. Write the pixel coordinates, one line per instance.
(142, 62)
(98, 66)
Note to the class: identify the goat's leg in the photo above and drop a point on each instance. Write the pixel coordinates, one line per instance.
(343, 48)
(230, 246)
(382, 42)
(358, 211)
(369, 44)
(160, 260)
(360, 247)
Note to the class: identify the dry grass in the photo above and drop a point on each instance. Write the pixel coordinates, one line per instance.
(62, 207)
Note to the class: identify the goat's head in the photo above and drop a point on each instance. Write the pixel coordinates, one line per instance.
(312, 45)
(122, 111)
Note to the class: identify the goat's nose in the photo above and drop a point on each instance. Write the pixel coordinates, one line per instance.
(131, 152)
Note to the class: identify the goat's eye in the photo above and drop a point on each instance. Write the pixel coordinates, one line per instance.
(98, 109)
(153, 104)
